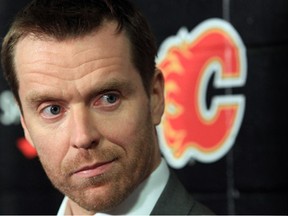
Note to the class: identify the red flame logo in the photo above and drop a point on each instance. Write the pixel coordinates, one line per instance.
(189, 129)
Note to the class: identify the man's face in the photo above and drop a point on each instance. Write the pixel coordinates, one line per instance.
(87, 113)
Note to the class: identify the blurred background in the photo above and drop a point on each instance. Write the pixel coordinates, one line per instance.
(250, 178)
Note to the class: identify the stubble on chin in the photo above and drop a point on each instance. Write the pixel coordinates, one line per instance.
(100, 194)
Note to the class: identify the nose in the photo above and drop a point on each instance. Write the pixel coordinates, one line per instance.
(83, 134)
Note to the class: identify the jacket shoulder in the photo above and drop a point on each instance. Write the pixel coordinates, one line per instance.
(175, 200)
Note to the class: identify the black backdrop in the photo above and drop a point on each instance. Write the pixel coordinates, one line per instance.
(252, 177)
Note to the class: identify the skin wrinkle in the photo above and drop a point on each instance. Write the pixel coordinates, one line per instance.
(108, 86)
(70, 69)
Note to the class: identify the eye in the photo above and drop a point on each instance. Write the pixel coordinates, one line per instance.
(107, 101)
(110, 98)
(51, 111)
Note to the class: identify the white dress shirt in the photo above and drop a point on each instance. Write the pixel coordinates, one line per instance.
(142, 200)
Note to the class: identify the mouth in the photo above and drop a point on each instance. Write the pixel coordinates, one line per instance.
(93, 170)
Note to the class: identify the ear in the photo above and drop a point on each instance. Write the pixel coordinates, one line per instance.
(157, 102)
(26, 132)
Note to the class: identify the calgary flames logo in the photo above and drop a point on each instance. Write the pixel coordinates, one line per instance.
(190, 129)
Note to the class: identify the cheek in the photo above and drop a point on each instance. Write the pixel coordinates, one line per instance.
(125, 129)
(51, 155)
(51, 149)
(135, 137)
(120, 134)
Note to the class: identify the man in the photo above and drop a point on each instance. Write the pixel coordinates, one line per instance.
(84, 76)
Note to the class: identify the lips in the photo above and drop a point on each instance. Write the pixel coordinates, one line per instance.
(93, 170)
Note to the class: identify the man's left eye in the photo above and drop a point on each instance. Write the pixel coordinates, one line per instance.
(110, 98)
(108, 101)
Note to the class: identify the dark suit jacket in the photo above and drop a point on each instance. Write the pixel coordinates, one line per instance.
(175, 200)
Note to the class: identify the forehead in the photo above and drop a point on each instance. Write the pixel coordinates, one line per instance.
(104, 42)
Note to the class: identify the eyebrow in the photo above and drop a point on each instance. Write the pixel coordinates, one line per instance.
(124, 86)
(34, 98)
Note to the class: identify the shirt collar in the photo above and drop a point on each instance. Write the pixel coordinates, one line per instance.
(143, 199)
